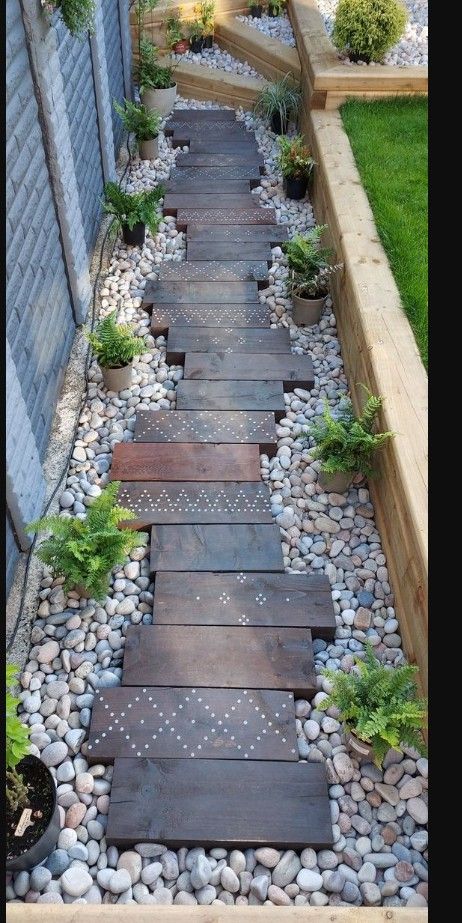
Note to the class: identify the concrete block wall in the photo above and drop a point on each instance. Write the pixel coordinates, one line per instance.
(59, 91)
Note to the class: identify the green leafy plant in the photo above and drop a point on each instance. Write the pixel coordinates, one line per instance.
(143, 122)
(368, 28)
(254, 4)
(294, 158)
(84, 551)
(279, 98)
(17, 744)
(130, 209)
(174, 30)
(346, 442)
(149, 74)
(206, 16)
(77, 15)
(309, 264)
(114, 344)
(276, 7)
(378, 704)
(195, 30)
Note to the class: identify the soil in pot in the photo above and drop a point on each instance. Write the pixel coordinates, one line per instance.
(38, 840)
(295, 188)
(149, 150)
(196, 45)
(337, 483)
(256, 11)
(135, 237)
(118, 379)
(208, 41)
(181, 47)
(278, 125)
(307, 311)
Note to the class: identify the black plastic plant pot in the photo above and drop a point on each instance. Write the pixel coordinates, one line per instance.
(208, 41)
(135, 237)
(256, 11)
(39, 839)
(272, 12)
(279, 125)
(295, 188)
(355, 57)
(196, 45)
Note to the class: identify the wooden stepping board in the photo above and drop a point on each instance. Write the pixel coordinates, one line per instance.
(190, 502)
(246, 159)
(201, 200)
(140, 461)
(275, 600)
(216, 146)
(207, 426)
(192, 116)
(183, 340)
(184, 723)
(237, 233)
(291, 369)
(228, 250)
(249, 314)
(228, 803)
(215, 271)
(199, 175)
(185, 136)
(188, 216)
(220, 656)
(223, 547)
(189, 186)
(231, 395)
(199, 292)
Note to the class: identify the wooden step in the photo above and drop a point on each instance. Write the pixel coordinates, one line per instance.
(216, 146)
(268, 56)
(228, 250)
(196, 81)
(216, 547)
(194, 116)
(206, 426)
(182, 340)
(187, 216)
(181, 137)
(226, 803)
(190, 502)
(244, 233)
(184, 723)
(199, 293)
(217, 655)
(249, 160)
(251, 314)
(277, 600)
(190, 186)
(231, 395)
(200, 200)
(238, 173)
(292, 370)
(143, 461)
(215, 271)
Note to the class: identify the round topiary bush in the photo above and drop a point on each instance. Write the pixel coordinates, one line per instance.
(368, 28)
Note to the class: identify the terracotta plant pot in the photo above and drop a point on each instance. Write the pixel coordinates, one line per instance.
(118, 379)
(39, 840)
(278, 125)
(307, 311)
(208, 41)
(182, 46)
(149, 150)
(134, 236)
(295, 188)
(362, 751)
(337, 483)
(161, 100)
(196, 45)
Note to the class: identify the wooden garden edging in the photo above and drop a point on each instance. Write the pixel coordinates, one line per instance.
(139, 913)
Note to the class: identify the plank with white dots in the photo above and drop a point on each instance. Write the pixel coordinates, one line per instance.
(221, 426)
(189, 502)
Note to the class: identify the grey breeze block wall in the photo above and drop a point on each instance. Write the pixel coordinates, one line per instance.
(62, 141)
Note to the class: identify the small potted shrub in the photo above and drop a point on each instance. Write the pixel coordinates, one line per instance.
(156, 82)
(115, 347)
(346, 443)
(310, 275)
(144, 124)
(296, 164)
(278, 102)
(276, 7)
(196, 40)
(367, 29)
(32, 812)
(255, 9)
(206, 16)
(378, 706)
(84, 551)
(133, 212)
(175, 38)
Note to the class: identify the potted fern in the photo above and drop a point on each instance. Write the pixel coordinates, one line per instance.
(296, 165)
(346, 443)
(144, 124)
(32, 813)
(310, 270)
(255, 9)
(84, 551)
(132, 213)
(378, 706)
(115, 347)
(156, 82)
(278, 102)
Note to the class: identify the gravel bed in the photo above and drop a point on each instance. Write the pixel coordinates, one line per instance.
(218, 59)
(379, 856)
(276, 27)
(413, 46)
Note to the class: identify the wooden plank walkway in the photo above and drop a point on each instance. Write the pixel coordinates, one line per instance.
(202, 731)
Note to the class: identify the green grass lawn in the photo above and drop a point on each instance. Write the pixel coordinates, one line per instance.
(389, 142)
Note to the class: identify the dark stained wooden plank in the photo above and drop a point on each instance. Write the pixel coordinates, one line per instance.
(200, 200)
(193, 116)
(141, 461)
(211, 655)
(200, 292)
(208, 339)
(219, 803)
(184, 723)
(228, 250)
(213, 174)
(223, 215)
(231, 395)
(292, 370)
(250, 314)
(190, 502)
(207, 426)
(284, 600)
(221, 160)
(190, 186)
(244, 233)
(185, 136)
(215, 271)
(212, 145)
(216, 547)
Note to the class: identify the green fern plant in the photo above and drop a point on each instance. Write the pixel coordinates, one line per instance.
(114, 344)
(130, 209)
(143, 122)
(149, 74)
(84, 551)
(17, 744)
(294, 158)
(378, 704)
(346, 442)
